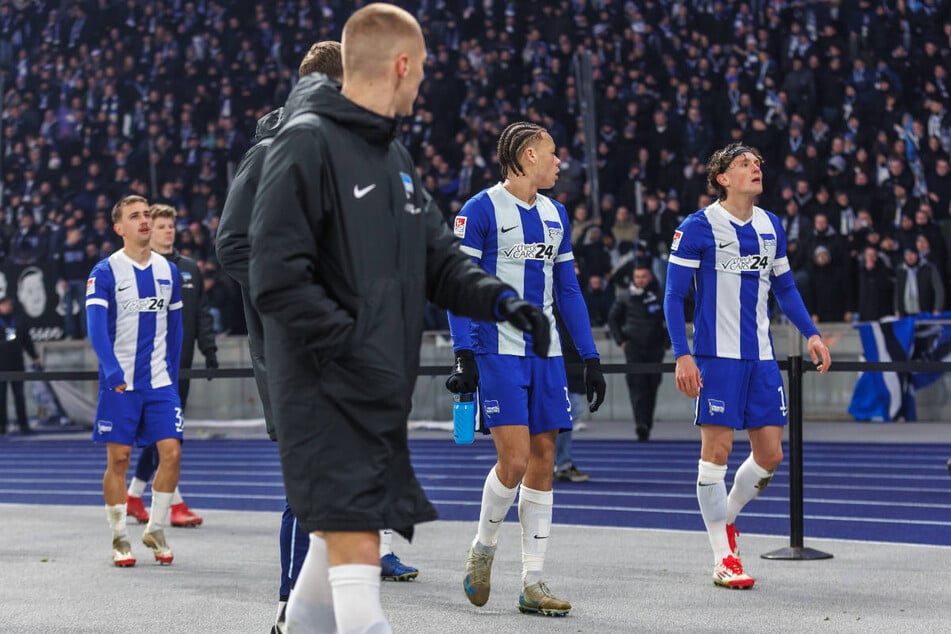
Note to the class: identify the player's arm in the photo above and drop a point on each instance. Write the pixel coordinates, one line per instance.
(100, 292)
(790, 302)
(175, 331)
(232, 246)
(205, 326)
(685, 258)
(288, 211)
(468, 241)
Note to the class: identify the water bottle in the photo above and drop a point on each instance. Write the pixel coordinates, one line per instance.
(463, 418)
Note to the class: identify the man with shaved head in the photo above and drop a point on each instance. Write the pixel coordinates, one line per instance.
(346, 249)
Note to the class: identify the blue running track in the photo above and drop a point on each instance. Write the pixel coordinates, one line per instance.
(872, 492)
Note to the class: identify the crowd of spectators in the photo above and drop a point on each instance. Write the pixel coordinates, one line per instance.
(847, 100)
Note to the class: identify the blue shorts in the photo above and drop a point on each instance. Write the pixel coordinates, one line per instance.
(523, 391)
(740, 393)
(140, 417)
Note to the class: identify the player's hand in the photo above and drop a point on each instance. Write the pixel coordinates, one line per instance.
(528, 318)
(465, 374)
(594, 384)
(688, 376)
(120, 388)
(818, 350)
(211, 362)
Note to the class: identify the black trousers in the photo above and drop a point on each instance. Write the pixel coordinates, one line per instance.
(19, 403)
(642, 388)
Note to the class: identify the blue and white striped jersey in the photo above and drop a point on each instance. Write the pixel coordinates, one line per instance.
(141, 306)
(529, 248)
(734, 264)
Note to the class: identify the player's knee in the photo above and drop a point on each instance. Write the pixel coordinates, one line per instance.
(170, 454)
(770, 460)
(512, 469)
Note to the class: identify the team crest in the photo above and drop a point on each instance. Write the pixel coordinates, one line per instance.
(407, 184)
(769, 240)
(492, 407)
(555, 232)
(715, 406)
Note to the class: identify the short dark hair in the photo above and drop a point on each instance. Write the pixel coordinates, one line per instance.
(721, 161)
(323, 57)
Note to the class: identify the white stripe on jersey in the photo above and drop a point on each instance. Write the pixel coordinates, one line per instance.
(511, 270)
(126, 345)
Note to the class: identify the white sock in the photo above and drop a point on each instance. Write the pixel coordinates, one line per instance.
(281, 616)
(534, 514)
(496, 501)
(177, 496)
(311, 604)
(116, 515)
(158, 516)
(137, 487)
(749, 482)
(386, 542)
(711, 494)
(356, 592)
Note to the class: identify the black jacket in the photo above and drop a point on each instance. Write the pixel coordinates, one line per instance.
(345, 251)
(197, 323)
(639, 318)
(234, 249)
(14, 341)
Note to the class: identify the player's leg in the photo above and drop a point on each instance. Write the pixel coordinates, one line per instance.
(549, 412)
(164, 425)
(353, 560)
(3, 408)
(311, 604)
(294, 542)
(504, 406)
(117, 418)
(391, 568)
(145, 468)
(113, 488)
(180, 515)
(766, 416)
(720, 410)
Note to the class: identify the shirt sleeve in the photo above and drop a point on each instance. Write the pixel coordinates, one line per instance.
(100, 294)
(471, 226)
(784, 288)
(175, 334)
(686, 253)
(568, 295)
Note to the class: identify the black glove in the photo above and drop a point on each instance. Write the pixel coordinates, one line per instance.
(465, 374)
(211, 362)
(528, 318)
(594, 383)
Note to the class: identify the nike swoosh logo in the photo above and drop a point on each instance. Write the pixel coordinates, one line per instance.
(507, 229)
(708, 484)
(124, 288)
(360, 192)
(495, 521)
(540, 537)
(724, 245)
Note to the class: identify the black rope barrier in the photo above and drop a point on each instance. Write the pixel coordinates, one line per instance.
(793, 366)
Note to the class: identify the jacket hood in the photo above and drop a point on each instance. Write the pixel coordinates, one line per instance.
(268, 124)
(319, 94)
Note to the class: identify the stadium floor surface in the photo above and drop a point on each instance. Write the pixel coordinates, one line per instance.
(628, 548)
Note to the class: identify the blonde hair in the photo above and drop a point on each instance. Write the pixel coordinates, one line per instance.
(159, 210)
(373, 35)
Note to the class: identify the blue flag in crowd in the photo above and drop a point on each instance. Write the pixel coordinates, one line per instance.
(887, 396)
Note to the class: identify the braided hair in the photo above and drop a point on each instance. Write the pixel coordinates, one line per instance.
(512, 142)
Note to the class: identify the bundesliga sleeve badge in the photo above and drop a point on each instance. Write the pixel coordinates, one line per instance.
(678, 234)
(459, 227)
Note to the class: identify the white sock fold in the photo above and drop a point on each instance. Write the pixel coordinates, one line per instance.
(310, 608)
(158, 515)
(356, 595)
(496, 501)
(711, 494)
(116, 515)
(177, 496)
(749, 482)
(534, 514)
(136, 487)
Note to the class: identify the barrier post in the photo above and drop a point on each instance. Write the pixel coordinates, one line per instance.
(795, 549)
